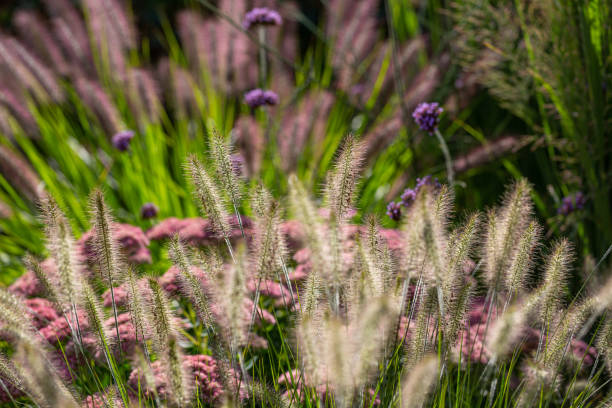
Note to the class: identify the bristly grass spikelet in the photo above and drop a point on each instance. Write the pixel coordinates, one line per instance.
(226, 173)
(342, 181)
(190, 284)
(418, 382)
(505, 227)
(209, 198)
(42, 381)
(107, 253)
(555, 280)
(166, 345)
(61, 246)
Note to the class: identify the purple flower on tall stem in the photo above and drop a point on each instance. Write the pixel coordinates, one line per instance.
(121, 140)
(427, 180)
(427, 116)
(408, 196)
(148, 210)
(261, 16)
(394, 210)
(569, 204)
(258, 97)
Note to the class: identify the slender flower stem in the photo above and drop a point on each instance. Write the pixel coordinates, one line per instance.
(263, 66)
(450, 173)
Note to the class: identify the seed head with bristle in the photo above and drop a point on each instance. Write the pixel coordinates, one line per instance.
(105, 246)
(208, 196)
(555, 279)
(418, 383)
(42, 381)
(224, 167)
(190, 284)
(267, 247)
(342, 183)
(62, 249)
(505, 228)
(523, 260)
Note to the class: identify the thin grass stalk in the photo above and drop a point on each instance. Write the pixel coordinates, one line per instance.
(450, 173)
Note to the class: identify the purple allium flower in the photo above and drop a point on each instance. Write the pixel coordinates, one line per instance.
(408, 197)
(427, 181)
(148, 210)
(569, 204)
(427, 116)
(261, 16)
(394, 210)
(579, 200)
(259, 97)
(121, 140)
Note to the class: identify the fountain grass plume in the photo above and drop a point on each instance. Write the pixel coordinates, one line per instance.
(49, 289)
(209, 198)
(14, 314)
(268, 250)
(505, 227)
(166, 346)
(342, 181)
(62, 248)
(105, 248)
(522, 264)
(221, 153)
(138, 308)
(555, 280)
(418, 382)
(42, 381)
(190, 284)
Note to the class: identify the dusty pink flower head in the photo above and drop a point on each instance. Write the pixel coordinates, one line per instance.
(203, 369)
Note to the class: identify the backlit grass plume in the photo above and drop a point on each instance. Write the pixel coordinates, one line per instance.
(208, 196)
(190, 284)
(107, 253)
(506, 226)
(166, 346)
(342, 180)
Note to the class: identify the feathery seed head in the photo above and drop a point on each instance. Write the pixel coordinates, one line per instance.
(41, 379)
(555, 279)
(208, 196)
(225, 167)
(190, 284)
(505, 227)
(342, 182)
(418, 382)
(105, 246)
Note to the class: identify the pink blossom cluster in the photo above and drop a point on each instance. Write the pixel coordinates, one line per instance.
(202, 369)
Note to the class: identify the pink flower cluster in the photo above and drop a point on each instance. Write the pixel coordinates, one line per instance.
(202, 369)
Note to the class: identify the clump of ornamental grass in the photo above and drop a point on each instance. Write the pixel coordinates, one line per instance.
(380, 317)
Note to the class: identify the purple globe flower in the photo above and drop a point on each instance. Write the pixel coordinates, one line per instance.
(427, 181)
(569, 204)
(394, 210)
(148, 210)
(427, 116)
(121, 140)
(408, 197)
(261, 16)
(258, 97)
(579, 200)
